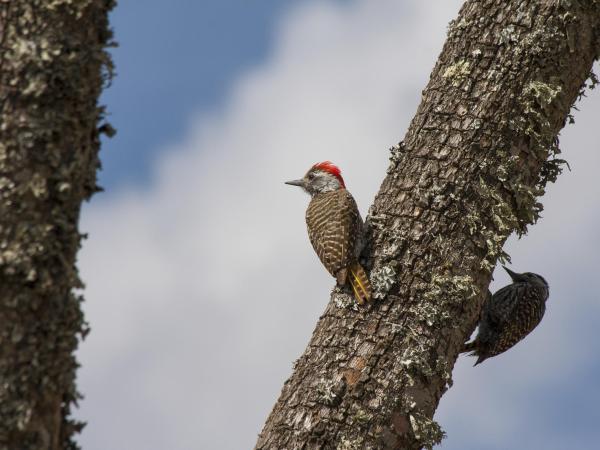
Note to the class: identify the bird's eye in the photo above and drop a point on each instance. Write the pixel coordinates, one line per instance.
(311, 176)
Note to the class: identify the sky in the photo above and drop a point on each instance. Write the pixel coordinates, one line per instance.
(201, 285)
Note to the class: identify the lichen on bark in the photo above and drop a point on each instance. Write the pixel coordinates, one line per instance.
(469, 173)
(53, 64)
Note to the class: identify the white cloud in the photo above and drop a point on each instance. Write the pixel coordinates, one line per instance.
(203, 288)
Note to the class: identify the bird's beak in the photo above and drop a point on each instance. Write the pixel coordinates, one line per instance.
(299, 182)
(514, 276)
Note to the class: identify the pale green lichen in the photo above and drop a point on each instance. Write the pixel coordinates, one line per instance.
(38, 186)
(76, 7)
(350, 444)
(23, 415)
(454, 289)
(415, 361)
(509, 35)
(457, 71)
(397, 153)
(362, 416)
(426, 431)
(6, 185)
(394, 327)
(455, 27)
(393, 248)
(431, 314)
(382, 280)
(330, 392)
(444, 368)
(504, 221)
(343, 300)
(538, 93)
(377, 221)
(537, 102)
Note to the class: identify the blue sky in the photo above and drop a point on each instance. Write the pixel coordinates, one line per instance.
(175, 60)
(216, 104)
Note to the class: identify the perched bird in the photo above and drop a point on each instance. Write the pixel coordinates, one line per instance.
(335, 227)
(509, 315)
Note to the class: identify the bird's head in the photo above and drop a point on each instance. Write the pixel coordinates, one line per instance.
(527, 277)
(322, 177)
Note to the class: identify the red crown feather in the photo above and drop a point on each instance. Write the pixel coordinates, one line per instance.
(329, 167)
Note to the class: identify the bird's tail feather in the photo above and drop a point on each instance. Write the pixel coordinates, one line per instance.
(468, 347)
(472, 347)
(360, 283)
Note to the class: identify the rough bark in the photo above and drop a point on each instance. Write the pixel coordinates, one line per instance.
(53, 65)
(478, 153)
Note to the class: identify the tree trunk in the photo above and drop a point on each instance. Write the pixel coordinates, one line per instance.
(52, 68)
(478, 153)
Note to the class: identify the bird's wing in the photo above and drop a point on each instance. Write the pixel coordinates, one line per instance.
(332, 219)
(502, 304)
(530, 310)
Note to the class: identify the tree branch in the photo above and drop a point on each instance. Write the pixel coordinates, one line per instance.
(478, 154)
(53, 65)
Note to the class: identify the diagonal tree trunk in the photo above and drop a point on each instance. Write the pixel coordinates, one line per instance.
(478, 153)
(52, 67)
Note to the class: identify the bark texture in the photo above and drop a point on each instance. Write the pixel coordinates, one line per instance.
(53, 65)
(476, 157)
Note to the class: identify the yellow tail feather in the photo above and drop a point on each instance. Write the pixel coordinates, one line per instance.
(360, 283)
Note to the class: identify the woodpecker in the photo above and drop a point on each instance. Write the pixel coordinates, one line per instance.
(509, 315)
(335, 228)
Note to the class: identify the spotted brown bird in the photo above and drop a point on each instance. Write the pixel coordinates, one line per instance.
(509, 315)
(335, 227)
